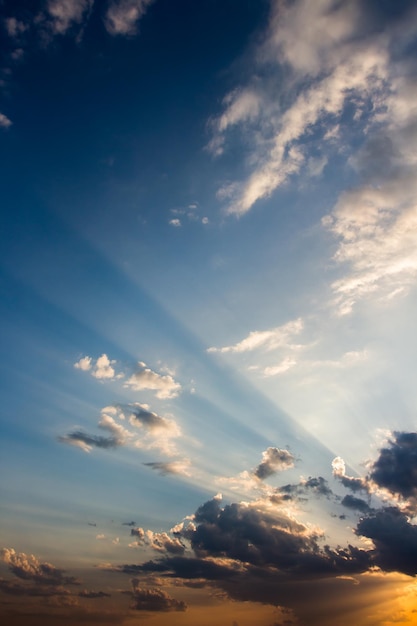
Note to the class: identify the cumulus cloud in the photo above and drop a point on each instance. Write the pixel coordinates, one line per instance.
(28, 567)
(273, 460)
(280, 336)
(175, 222)
(122, 16)
(101, 368)
(153, 600)
(350, 482)
(396, 467)
(164, 385)
(64, 13)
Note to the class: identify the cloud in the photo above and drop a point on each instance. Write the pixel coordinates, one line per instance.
(155, 432)
(4, 121)
(175, 222)
(93, 594)
(119, 436)
(267, 339)
(64, 13)
(273, 460)
(315, 60)
(165, 386)
(172, 467)
(16, 588)
(122, 16)
(396, 467)
(350, 482)
(102, 368)
(14, 27)
(154, 600)
(28, 567)
(395, 540)
(351, 502)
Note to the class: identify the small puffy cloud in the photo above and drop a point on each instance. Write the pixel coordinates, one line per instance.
(357, 504)
(175, 222)
(164, 385)
(285, 365)
(273, 460)
(101, 368)
(180, 467)
(154, 600)
(14, 27)
(64, 13)
(267, 339)
(28, 567)
(122, 16)
(4, 121)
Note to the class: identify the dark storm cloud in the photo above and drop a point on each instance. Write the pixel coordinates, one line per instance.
(351, 502)
(154, 600)
(395, 540)
(396, 467)
(273, 461)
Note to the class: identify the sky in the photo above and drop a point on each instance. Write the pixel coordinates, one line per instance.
(208, 294)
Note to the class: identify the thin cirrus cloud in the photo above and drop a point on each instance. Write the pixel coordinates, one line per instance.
(266, 339)
(341, 60)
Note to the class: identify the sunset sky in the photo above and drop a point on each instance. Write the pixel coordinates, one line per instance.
(208, 312)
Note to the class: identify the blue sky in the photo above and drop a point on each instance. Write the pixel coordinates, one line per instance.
(208, 268)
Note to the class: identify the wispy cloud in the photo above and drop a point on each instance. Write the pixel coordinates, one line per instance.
(267, 339)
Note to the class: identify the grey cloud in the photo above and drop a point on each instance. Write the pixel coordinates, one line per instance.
(148, 419)
(396, 467)
(128, 523)
(146, 599)
(95, 441)
(395, 540)
(273, 461)
(351, 502)
(167, 468)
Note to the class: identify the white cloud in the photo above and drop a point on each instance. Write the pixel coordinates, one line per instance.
(65, 13)
(84, 364)
(175, 222)
(315, 63)
(102, 368)
(268, 339)
(164, 385)
(123, 16)
(4, 121)
(285, 365)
